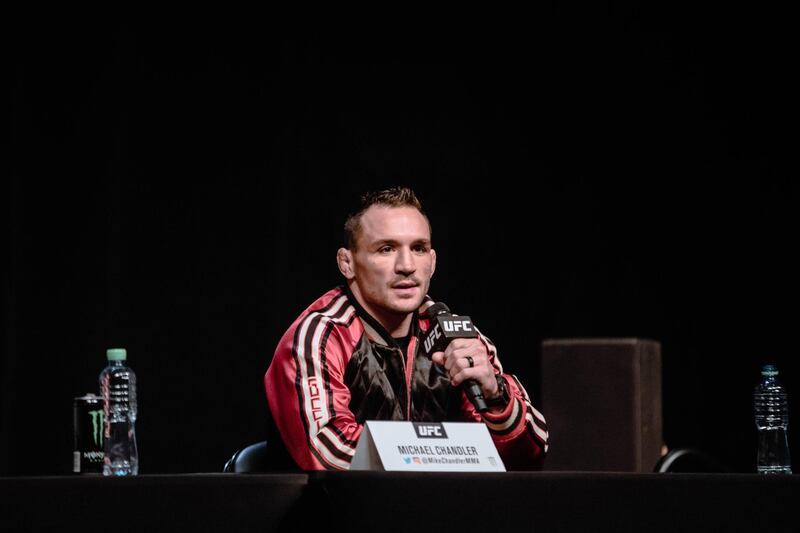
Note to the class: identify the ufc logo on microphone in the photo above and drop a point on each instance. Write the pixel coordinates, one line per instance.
(431, 340)
(430, 430)
(457, 325)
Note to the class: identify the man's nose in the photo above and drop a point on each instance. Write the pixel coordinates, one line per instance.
(405, 262)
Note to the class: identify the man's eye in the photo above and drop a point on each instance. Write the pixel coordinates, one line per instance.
(421, 249)
(385, 249)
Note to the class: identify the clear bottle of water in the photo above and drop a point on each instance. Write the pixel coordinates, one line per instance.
(118, 389)
(772, 420)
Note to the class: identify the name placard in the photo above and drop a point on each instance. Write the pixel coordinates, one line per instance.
(426, 447)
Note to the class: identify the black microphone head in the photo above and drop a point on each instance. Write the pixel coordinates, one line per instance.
(437, 309)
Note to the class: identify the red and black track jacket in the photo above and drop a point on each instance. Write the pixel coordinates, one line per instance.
(336, 367)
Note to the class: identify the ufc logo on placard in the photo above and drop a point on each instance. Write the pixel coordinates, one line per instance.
(430, 430)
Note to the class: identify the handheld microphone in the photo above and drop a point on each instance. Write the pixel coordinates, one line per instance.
(445, 327)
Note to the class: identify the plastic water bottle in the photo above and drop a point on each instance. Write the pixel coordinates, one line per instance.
(118, 389)
(772, 420)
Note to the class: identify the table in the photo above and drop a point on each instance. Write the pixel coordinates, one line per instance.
(149, 503)
(390, 501)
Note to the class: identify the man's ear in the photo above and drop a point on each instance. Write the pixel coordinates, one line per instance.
(433, 262)
(344, 258)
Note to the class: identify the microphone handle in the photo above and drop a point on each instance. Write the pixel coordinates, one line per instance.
(475, 395)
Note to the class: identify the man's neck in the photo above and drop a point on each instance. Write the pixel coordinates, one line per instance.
(396, 324)
(396, 329)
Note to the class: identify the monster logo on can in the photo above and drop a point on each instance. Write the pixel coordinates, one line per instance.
(87, 423)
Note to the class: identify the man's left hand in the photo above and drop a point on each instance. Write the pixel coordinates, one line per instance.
(465, 359)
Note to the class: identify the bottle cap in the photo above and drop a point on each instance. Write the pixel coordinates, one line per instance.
(116, 354)
(769, 370)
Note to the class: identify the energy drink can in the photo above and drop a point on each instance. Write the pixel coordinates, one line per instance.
(87, 425)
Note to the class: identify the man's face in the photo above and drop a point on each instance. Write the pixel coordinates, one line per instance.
(393, 261)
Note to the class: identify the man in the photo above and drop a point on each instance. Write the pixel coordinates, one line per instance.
(354, 355)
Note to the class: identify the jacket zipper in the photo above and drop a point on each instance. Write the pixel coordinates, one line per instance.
(410, 356)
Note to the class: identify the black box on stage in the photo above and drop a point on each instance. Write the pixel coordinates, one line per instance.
(602, 402)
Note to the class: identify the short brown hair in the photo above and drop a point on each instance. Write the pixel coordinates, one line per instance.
(394, 197)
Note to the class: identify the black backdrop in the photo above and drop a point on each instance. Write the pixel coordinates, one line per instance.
(180, 192)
